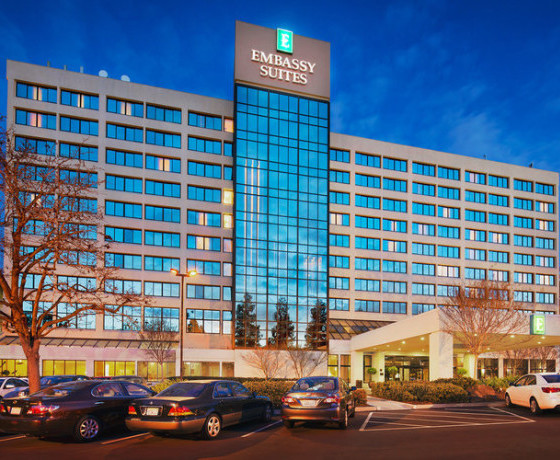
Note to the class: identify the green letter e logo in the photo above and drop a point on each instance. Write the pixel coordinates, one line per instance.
(285, 41)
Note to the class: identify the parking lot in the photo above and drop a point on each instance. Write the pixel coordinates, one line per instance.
(422, 433)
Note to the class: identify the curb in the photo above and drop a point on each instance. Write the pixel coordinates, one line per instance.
(429, 406)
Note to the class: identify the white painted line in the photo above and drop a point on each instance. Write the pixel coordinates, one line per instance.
(125, 439)
(445, 426)
(246, 435)
(446, 417)
(366, 421)
(12, 438)
(515, 415)
(427, 419)
(397, 423)
(476, 413)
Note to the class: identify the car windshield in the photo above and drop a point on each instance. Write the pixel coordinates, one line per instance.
(187, 389)
(315, 384)
(52, 380)
(61, 390)
(2, 381)
(552, 378)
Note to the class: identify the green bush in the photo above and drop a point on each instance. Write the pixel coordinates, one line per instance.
(360, 395)
(420, 392)
(499, 383)
(466, 383)
(274, 389)
(462, 372)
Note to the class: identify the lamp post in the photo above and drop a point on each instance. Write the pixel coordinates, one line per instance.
(190, 273)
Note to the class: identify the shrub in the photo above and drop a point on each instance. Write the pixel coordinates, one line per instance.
(159, 387)
(360, 396)
(462, 372)
(420, 391)
(274, 389)
(499, 383)
(466, 383)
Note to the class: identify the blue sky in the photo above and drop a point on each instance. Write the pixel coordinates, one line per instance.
(476, 78)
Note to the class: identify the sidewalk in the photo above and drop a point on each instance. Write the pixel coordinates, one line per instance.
(378, 404)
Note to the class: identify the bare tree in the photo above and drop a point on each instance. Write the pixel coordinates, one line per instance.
(54, 273)
(265, 360)
(305, 362)
(482, 315)
(159, 341)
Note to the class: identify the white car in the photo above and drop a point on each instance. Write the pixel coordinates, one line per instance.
(535, 391)
(8, 384)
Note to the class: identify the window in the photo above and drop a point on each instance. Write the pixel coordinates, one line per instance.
(123, 235)
(450, 252)
(394, 246)
(337, 282)
(342, 156)
(544, 243)
(498, 200)
(127, 318)
(423, 189)
(167, 317)
(364, 159)
(448, 232)
(475, 178)
(396, 185)
(523, 185)
(394, 287)
(124, 184)
(423, 209)
(209, 219)
(419, 308)
(118, 157)
(394, 266)
(522, 222)
(423, 269)
(448, 271)
(362, 242)
(545, 280)
(363, 180)
(204, 243)
(228, 173)
(38, 146)
(80, 152)
(423, 169)
(205, 170)
(523, 240)
(160, 188)
(394, 164)
(165, 239)
(362, 263)
(159, 163)
(522, 278)
(342, 177)
(423, 289)
(83, 320)
(205, 121)
(339, 240)
(545, 297)
(390, 225)
(160, 264)
(368, 285)
(521, 203)
(197, 291)
(36, 119)
(523, 296)
(498, 275)
(205, 145)
(498, 219)
(394, 307)
(448, 173)
(475, 197)
(542, 206)
(122, 107)
(544, 189)
(162, 213)
(475, 254)
(213, 195)
(77, 125)
(364, 201)
(115, 286)
(121, 209)
(339, 304)
(498, 181)
(156, 112)
(76, 99)
(450, 193)
(163, 138)
(423, 249)
(339, 261)
(544, 261)
(159, 289)
(522, 259)
(339, 219)
(498, 238)
(545, 225)
(227, 271)
(475, 216)
(423, 229)
(447, 291)
(36, 92)
(475, 273)
(126, 261)
(370, 306)
(125, 133)
(447, 212)
(204, 267)
(203, 321)
(394, 205)
(340, 198)
(498, 256)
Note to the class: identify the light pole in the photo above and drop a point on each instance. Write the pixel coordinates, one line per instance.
(190, 273)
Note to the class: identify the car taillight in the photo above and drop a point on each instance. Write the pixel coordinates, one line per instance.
(332, 399)
(180, 411)
(41, 409)
(288, 400)
(550, 389)
(3, 409)
(131, 410)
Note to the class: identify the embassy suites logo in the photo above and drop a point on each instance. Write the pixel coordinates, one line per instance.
(278, 67)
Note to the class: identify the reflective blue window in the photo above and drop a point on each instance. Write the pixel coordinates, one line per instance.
(122, 183)
(205, 145)
(160, 264)
(394, 164)
(339, 240)
(423, 209)
(338, 282)
(448, 212)
(498, 200)
(81, 152)
(395, 205)
(394, 266)
(36, 92)
(419, 308)
(448, 232)
(423, 249)
(423, 229)
(339, 261)
(394, 287)
(362, 242)
(475, 216)
(117, 157)
(121, 209)
(523, 185)
(213, 195)
(475, 178)
(126, 261)
(339, 155)
(367, 222)
(204, 267)
(498, 219)
(339, 304)
(362, 263)
(165, 239)
(159, 163)
(205, 121)
(37, 119)
(394, 307)
(390, 225)
(475, 197)
(498, 181)
(394, 184)
(394, 246)
(423, 189)
(209, 219)
(451, 252)
(342, 177)
(122, 107)
(450, 193)
(370, 306)
(423, 289)
(448, 173)
(156, 112)
(368, 285)
(163, 214)
(82, 100)
(162, 138)
(125, 133)
(363, 180)
(123, 235)
(423, 169)
(423, 269)
(38, 146)
(340, 197)
(213, 171)
(160, 188)
(364, 159)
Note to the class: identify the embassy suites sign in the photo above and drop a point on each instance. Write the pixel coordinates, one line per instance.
(280, 59)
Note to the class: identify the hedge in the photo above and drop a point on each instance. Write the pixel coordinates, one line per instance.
(466, 383)
(500, 383)
(420, 392)
(360, 396)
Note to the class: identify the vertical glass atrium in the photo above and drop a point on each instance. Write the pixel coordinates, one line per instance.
(281, 217)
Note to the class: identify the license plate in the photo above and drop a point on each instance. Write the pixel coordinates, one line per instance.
(15, 410)
(308, 402)
(152, 411)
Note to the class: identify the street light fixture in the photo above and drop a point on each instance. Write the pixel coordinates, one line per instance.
(189, 274)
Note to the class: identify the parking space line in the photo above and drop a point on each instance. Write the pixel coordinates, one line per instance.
(515, 415)
(425, 427)
(398, 423)
(418, 419)
(450, 418)
(12, 438)
(124, 439)
(366, 421)
(262, 428)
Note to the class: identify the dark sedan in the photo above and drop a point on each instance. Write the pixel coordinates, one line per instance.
(326, 399)
(203, 406)
(46, 382)
(83, 409)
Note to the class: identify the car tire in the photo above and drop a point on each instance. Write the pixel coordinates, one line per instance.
(87, 429)
(289, 424)
(534, 407)
(343, 424)
(508, 401)
(267, 413)
(212, 426)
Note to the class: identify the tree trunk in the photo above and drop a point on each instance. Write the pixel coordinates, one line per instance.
(33, 371)
(476, 367)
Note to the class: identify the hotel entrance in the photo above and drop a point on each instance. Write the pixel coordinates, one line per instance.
(409, 368)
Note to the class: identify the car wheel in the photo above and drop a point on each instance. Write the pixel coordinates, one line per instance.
(508, 401)
(212, 427)
(289, 423)
(87, 429)
(267, 413)
(534, 407)
(343, 424)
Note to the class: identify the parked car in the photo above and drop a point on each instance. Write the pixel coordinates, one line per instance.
(83, 409)
(326, 399)
(535, 391)
(10, 384)
(131, 378)
(203, 406)
(44, 383)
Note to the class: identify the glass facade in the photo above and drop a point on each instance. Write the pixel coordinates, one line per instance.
(281, 219)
